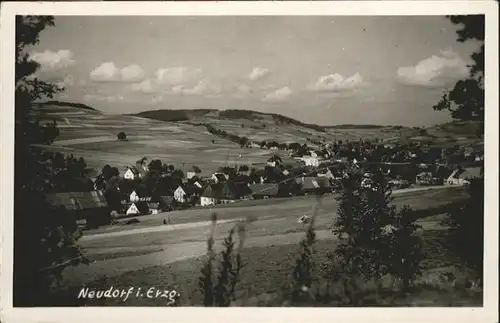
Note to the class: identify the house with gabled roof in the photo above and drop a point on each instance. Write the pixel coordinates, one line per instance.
(264, 191)
(139, 195)
(223, 193)
(131, 173)
(219, 177)
(138, 208)
(319, 185)
(463, 176)
(91, 206)
(188, 192)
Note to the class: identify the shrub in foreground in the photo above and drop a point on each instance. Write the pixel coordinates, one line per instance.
(218, 286)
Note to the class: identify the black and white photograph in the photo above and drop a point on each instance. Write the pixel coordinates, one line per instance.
(182, 158)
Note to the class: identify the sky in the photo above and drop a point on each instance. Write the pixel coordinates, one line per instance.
(325, 70)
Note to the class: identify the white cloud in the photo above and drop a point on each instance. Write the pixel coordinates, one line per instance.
(109, 72)
(132, 72)
(258, 73)
(198, 89)
(436, 71)
(278, 95)
(177, 75)
(52, 61)
(337, 83)
(107, 98)
(203, 87)
(144, 87)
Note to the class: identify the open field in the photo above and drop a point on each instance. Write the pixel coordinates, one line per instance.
(267, 269)
(150, 244)
(92, 135)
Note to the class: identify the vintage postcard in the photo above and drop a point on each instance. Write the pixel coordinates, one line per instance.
(318, 160)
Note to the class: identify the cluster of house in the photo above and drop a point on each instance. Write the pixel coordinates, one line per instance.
(289, 178)
(220, 189)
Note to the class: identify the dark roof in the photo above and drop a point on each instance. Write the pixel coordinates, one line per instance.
(143, 207)
(134, 169)
(470, 172)
(264, 189)
(76, 201)
(220, 177)
(227, 190)
(191, 188)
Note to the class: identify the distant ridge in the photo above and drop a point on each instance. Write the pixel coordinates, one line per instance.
(66, 104)
(357, 126)
(185, 115)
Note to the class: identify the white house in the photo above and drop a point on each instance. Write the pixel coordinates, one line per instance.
(133, 210)
(311, 161)
(206, 201)
(134, 197)
(463, 176)
(130, 174)
(180, 194)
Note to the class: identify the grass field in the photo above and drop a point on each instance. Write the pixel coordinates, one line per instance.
(267, 268)
(93, 135)
(152, 254)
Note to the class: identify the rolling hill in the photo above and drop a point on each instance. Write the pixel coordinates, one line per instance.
(181, 137)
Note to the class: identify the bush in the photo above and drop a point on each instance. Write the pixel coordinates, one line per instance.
(221, 291)
(376, 240)
(122, 136)
(466, 221)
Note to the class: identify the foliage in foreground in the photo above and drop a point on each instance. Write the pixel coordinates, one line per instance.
(218, 286)
(466, 222)
(44, 241)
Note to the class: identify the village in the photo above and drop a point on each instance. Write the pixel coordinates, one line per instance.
(153, 187)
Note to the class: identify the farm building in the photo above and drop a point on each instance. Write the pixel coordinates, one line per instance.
(314, 184)
(311, 161)
(138, 208)
(222, 193)
(91, 206)
(463, 176)
(139, 196)
(154, 207)
(260, 191)
(219, 177)
(187, 193)
(424, 178)
(131, 173)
